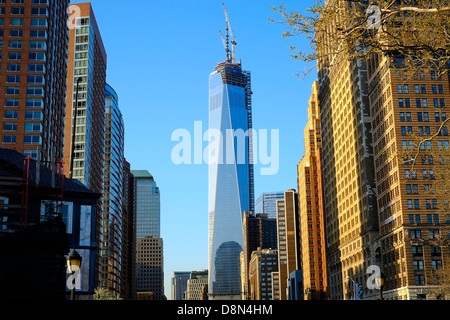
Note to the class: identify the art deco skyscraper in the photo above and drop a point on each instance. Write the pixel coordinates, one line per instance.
(86, 74)
(33, 57)
(230, 173)
(311, 213)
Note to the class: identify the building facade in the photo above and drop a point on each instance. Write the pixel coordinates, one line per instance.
(259, 232)
(111, 229)
(267, 203)
(311, 208)
(230, 175)
(85, 113)
(33, 77)
(289, 250)
(262, 263)
(179, 285)
(149, 244)
(128, 236)
(197, 286)
(348, 171)
(412, 206)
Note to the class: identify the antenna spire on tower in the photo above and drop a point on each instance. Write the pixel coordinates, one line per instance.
(231, 57)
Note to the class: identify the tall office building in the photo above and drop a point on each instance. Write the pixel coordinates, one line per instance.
(128, 236)
(111, 234)
(348, 174)
(197, 286)
(262, 263)
(86, 74)
(230, 174)
(411, 204)
(149, 244)
(289, 251)
(33, 55)
(267, 203)
(179, 285)
(311, 213)
(259, 232)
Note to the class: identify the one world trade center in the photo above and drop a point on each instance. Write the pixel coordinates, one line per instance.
(231, 189)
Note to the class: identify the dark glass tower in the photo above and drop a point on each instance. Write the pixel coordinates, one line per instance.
(230, 173)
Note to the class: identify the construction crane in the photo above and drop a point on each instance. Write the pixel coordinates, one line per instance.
(231, 54)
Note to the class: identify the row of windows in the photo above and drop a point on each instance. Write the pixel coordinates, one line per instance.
(426, 145)
(424, 130)
(19, 22)
(416, 218)
(30, 103)
(21, 11)
(423, 116)
(27, 139)
(29, 127)
(18, 33)
(421, 88)
(421, 103)
(32, 56)
(30, 79)
(426, 174)
(415, 204)
(18, 44)
(29, 115)
(31, 91)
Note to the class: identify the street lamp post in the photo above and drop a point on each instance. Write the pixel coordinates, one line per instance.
(73, 264)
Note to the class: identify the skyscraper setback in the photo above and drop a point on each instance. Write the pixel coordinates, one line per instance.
(230, 173)
(32, 89)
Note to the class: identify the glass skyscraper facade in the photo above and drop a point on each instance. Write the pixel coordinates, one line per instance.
(112, 208)
(230, 175)
(267, 203)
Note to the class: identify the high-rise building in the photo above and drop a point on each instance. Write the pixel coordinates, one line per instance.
(289, 254)
(230, 174)
(149, 244)
(348, 171)
(33, 71)
(150, 268)
(411, 204)
(179, 284)
(259, 232)
(85, 112)
(197, 285)
(262, 263)
(129, 236)
(111, 235)
(267, 203)
(311, 213)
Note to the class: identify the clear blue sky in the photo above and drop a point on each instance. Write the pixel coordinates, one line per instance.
(160, 55)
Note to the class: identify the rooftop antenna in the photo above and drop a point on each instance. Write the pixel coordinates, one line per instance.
(231, 54)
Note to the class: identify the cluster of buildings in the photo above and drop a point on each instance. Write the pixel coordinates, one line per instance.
(369, 218)
(64, 177)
